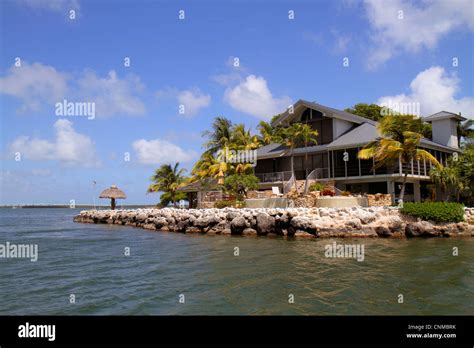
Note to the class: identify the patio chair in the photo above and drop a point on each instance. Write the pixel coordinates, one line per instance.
(276, 191)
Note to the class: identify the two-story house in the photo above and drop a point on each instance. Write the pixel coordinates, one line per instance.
(334, 158)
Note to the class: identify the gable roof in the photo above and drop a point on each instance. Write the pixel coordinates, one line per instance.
(442, 115)
(362, 134)
(327, 111)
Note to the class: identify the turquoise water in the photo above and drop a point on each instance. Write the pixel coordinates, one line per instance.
(88, 261)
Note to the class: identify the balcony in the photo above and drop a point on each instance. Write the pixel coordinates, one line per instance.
(274, 176)
(320, 173)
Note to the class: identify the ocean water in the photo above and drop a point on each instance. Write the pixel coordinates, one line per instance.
(88, 261)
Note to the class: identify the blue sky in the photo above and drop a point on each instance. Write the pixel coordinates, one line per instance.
(398, 51)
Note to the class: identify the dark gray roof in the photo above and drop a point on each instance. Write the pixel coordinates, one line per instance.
(443, 115)
(361, 135)
(271, 150)
(277, 150)
(330, 112)
(366, 133)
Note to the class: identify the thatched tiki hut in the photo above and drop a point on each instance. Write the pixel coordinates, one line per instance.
(113, 193)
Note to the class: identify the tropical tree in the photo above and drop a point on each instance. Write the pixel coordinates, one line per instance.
(466, 130)
(399, 141)
(446, 179)
(294, 135)
(457, 178)
(168, 179)
(225, 140)
(219, 136)
(305, 135)
(267, 133)
(370, 111)
(239, 184)
(242, 139)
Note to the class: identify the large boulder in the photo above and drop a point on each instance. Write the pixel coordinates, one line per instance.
(420, 228)
(238, 224)
(249, 232)
(265, 223)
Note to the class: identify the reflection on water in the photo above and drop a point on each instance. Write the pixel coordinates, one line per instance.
(88, 261)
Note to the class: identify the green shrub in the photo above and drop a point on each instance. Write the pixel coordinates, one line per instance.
(435, 211)
(224, 204)
(316, 186)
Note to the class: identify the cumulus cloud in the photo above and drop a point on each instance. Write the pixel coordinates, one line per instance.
(253, 97)
(37, 85)
(68, 147)
(401, 25)
(193, 101)
(157, 151)
(111, 94)
(434, 90)
(34, 84)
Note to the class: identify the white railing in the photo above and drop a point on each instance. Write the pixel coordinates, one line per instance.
(288, 185)
(318, 173)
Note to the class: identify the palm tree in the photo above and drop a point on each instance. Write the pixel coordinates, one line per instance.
(219, 136)
(455, 178)
(440, 175)
(399, 142)
(242, 139)
(168, 179)
(306, 135)
(267, 133)
(224, 138)
(291, 136)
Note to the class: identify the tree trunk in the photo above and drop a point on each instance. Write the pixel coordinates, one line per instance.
(402, 191)
(112, 203)
(293, 170)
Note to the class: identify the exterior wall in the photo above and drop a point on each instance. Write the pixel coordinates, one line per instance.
(445, 132)
(339, 127)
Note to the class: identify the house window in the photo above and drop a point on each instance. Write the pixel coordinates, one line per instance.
(310, 115)
(339, 164)
(353, 163)
(323, 125)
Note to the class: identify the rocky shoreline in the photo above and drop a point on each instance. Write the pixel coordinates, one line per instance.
(291, 222)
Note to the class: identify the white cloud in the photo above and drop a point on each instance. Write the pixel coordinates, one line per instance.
(253, 97)
(435, 90)
(421, 26)
(37, 85)
(68, 147)
(51, 5)
(34, 84)
(341, 42)
(111, 94)
(193, 101)
(159, 151)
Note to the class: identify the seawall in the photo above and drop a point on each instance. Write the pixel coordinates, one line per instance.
(291, 222)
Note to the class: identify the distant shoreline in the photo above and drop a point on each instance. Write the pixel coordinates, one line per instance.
(89, 206)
